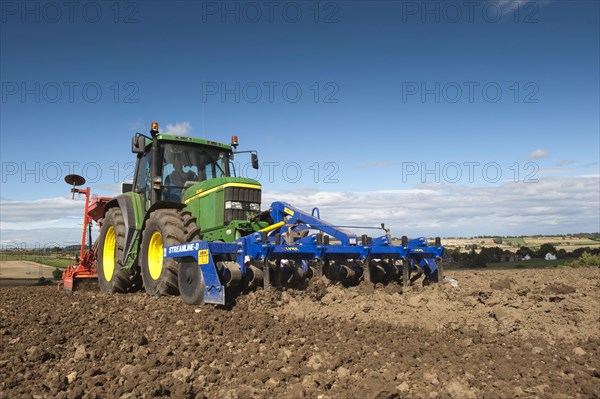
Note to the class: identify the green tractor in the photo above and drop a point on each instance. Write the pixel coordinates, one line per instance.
(184, 189)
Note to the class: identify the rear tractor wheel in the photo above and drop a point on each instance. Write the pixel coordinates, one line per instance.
(111, 277)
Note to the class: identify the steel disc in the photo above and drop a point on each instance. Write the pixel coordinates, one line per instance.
(191, 283)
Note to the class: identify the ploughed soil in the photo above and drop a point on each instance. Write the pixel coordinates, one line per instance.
(499, 334)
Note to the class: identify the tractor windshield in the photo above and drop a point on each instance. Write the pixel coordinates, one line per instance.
(185, 164)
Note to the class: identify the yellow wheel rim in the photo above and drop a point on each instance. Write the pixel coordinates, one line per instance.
(155, 255)
(108, 254)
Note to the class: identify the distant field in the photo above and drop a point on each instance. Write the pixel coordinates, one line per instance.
(579, 243)
(516, 241)
(15, 269)
(559, 241)
(61, 263)
(570, 248)
(569, 243)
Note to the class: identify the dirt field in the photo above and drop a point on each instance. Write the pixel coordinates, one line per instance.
(500, 334)
(13, 269)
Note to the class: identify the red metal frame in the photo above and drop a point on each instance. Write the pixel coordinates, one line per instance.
(85, 267)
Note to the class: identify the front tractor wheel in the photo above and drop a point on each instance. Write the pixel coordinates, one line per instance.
(164, 227)
(111, 277)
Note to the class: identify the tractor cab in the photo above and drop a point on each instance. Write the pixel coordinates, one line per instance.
(175, 171)
(184, 165)
(168, 165)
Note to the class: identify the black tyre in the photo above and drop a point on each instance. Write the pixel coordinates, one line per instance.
(164, 227)
(111, 277)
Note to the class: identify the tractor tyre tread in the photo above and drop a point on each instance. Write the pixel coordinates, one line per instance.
(175, 228)
(121, 281)
(191, 228)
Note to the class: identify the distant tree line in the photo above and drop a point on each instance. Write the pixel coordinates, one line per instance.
(590, 236)
(474, 259)
(560, 253)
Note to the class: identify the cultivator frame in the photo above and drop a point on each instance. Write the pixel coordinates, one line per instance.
(288, 252)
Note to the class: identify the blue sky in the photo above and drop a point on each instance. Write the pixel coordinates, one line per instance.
(437, 107)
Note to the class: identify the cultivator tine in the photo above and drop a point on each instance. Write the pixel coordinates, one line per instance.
(405, 273)
(331, 270)
(416, 276)
(366, 271)
(319, 269)
(266, 275)
(278, 274)
(393, 272)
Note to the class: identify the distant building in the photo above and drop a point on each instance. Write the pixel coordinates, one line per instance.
(550, 256)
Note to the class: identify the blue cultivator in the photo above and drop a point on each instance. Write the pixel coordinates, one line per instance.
(295, 248)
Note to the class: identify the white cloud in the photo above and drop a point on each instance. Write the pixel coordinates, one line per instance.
(538, 154)
(178, 129)
(551, 206)
(550, 171)
(377, 164)
(39, 222)
(41, 237)
(563, 162)
(509, 6)
(29, 214)
(110, 189)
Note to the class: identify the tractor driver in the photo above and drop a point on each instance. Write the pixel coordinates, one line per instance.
(175, 181)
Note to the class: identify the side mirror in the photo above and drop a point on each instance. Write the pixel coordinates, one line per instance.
(126, 187)
(254, 159)
(138, 144)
